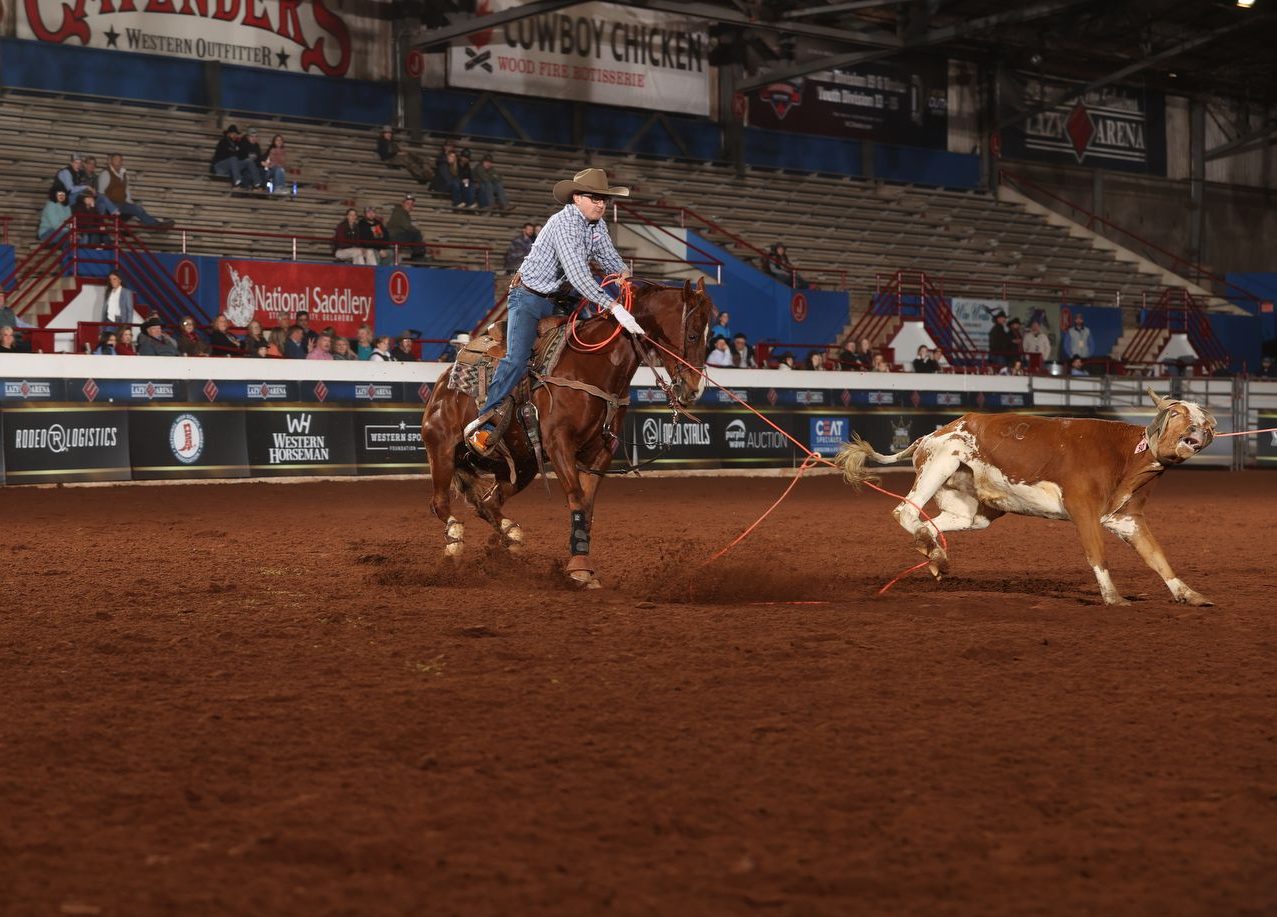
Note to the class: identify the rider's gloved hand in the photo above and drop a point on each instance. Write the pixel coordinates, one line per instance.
(625, 320)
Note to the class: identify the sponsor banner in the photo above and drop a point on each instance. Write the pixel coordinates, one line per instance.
(904, 102)
(342, 392)
(591, 52)
(1113, 127)
(388, 441)
(33, 390)
(889, 431)
(663, 438)
(976, 317)
(187, 443)
(299, 440)
(745, 439)
(125, 391)
(825, 435)
(273, 292)
(67, 444)
(1267, 442)
(238, 391)
(298, 36)
(999, 401)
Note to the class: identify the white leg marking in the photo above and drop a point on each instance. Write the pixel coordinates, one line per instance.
(1107, 589)
(454, 534)
(513, 535)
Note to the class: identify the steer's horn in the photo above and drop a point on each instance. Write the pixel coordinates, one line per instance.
(1161, 403)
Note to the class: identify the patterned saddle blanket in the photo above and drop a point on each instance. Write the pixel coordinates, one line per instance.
(472, 372)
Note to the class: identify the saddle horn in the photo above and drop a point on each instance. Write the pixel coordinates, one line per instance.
(1158, 401)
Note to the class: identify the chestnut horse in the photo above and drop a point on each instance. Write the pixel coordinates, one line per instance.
(578, 427)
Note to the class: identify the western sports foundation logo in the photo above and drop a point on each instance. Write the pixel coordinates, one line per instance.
(186, 438)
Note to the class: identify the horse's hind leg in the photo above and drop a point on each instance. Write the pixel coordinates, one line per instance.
(487, 498)
(441, 451)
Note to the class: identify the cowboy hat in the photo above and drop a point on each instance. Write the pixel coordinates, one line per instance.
(461, 337)
(152, 322)
(589, 181)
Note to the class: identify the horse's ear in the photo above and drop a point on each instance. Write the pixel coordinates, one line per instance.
(687, 289)
(700, 285)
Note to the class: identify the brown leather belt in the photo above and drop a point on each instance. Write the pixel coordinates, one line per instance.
(517, 281)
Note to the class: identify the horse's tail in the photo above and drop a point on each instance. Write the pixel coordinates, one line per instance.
(853, 456)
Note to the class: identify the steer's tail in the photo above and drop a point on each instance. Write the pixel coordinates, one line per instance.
(853, 456)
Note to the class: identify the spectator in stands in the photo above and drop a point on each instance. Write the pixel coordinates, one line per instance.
(374, 236)
(255, 343)
(154, 342)
(462, 194)
(925, 361)
(815, 360)
(879, 364)
(251, 152)
(115, 195)
(118, 307)
(1077, 367)
(859, 357)
(363, 342)
(276, 342)
(1015, 369)
(442, 181)
(785, 361)
(7, 315)
(341, 348)
(403, 353)
(91, 172)
(227, 161)
(1017, 338)
(124, 343)
(720, 353)
(323, 349)
(520, 245)
(221, 343)
(1036, 341)
(381, 350)
(274, 165)
(458, 342)
(106, 343)
(402, 231)
(465, 174)
(742, 353)
(72, 179)
(782, 269)
(86, 213)
(56, 212)
(392, 154)
(189, 341)
(309, 334)
(347, 244)
(722, 327)
(295, 346)
(1000, 347)
(1266, 369)
(491, 189)
(8, 340)
(1077, 340)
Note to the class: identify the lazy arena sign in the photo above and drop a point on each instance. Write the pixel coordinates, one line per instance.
(274, 292)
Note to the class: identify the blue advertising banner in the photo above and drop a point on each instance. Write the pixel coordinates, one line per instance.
(825, 435)
(126, 391)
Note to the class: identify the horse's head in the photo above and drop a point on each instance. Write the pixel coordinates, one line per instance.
(679, 319)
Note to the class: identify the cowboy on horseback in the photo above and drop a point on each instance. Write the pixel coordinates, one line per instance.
(564, 248)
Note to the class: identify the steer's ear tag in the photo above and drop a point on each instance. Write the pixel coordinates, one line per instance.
(1142, 445)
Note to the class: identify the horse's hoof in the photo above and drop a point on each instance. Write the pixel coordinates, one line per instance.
(454, 550)
(585, 579)
(512, 536)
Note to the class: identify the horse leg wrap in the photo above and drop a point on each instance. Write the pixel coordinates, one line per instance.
(454, 536)
(512, 534)
(579, 541)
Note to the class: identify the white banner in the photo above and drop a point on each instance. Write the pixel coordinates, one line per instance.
(301, 36)
(976, 317)
(592, 52)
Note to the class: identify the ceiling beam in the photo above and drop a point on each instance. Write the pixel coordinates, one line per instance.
(838, 8)
(935, 36)
(697, 9)
(432, 38)
(1243, 143)
(1124, 72)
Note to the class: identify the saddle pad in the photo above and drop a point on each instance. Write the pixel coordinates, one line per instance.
(472, 372)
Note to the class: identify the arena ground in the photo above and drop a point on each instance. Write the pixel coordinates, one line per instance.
(280, 699)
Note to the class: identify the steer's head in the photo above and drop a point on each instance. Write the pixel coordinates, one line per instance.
(1180, 430)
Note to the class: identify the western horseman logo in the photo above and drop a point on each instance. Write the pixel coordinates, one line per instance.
(297, 445)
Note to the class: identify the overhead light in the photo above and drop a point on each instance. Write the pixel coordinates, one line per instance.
(1245, 4)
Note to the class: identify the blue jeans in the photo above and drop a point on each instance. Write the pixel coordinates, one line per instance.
(525, 310)
(491, 192)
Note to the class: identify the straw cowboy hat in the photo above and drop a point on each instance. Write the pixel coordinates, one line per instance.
(590, 181)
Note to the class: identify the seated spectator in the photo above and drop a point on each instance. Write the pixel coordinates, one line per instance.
(779, 267)
(154, 342)
(363, 342)
(221, 343)
(381, 350)
(491, 189)
(189, 341)
(56, 212)
(862, 357)
(86, 215)
(401, 230)
(255, 343)
(117, 301)
(1015, 369)
(124, 343)
(227, 162)
(373, 235)
(1266, 369)
(720, 353)
(73, 179)
(341, 348)
(722, 327)
(116, 196)
(106, 343)
(8, 340)
(295, 345)
(459, 340)
(251, 154)
(815, 360)
(395, 156)
(786, 361)
(1077, 368)
(445, 169)
(276, 342)
(462, 194)
(403, 353)
(879, 364)
(323, 349)
(274, 166)
(519, 247)
(925, 361)
(465, 173)
(742, 353)
(347, 244)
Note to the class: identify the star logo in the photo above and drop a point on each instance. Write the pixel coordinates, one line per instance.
(112, 37)
(282, 56)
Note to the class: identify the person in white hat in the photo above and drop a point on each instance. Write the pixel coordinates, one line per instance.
(563, 250)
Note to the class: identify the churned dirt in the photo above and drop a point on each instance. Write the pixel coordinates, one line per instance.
(272, 699)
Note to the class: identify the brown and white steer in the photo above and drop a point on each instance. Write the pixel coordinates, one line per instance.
(1097, 473)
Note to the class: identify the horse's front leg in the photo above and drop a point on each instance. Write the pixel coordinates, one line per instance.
(563, 454)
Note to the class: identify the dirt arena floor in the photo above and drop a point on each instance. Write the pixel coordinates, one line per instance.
(279, 699)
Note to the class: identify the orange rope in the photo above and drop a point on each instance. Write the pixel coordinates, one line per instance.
(1245, 432)
(626, 297)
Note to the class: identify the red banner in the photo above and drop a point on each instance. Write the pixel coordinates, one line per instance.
(273, 292)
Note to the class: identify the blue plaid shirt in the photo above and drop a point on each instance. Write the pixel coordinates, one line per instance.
(564, 248)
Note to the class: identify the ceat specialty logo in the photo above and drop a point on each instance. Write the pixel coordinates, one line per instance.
(186, 438)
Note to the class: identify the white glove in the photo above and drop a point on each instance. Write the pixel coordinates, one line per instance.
(625, 320)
